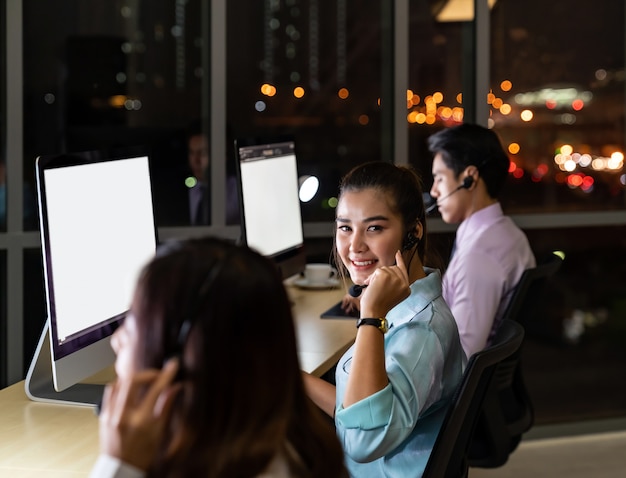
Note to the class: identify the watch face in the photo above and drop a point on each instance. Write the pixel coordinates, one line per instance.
(384, 326)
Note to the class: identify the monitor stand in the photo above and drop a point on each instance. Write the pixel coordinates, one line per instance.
(39, 384)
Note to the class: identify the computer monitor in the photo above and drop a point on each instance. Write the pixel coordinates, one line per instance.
(97, 232)
(271, 218)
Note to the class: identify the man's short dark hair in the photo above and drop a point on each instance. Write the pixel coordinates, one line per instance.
(473, 145)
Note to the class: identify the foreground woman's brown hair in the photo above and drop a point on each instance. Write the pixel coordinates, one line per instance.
(241, 406)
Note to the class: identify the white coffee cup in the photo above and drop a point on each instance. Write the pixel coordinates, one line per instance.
(318, 273)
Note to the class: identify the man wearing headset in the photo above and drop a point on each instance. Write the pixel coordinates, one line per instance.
(491, 252)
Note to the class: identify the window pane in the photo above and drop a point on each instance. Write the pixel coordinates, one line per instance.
(3, 196)
(565, 65)
(104, 74)
(3, 318)
(321, 64)
(557, 82)
(438, 73)
(3, 120)
(574, 354)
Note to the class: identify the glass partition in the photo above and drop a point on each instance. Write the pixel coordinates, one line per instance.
(3, 196)
(104, 74)
(3, 319)
(3, 209)
(556, 96)
(557, 102)
(3, 116)
(314, 70)
(440, 72)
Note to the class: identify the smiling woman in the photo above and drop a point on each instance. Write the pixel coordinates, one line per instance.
(385, 410)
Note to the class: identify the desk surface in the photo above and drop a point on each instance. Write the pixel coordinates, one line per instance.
(61, 441)
(321, 342)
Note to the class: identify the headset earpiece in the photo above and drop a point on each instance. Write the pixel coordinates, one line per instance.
(467, 182)
(409, 241)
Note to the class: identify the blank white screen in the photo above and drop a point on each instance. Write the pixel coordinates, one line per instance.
(271, 205)
(101, 233)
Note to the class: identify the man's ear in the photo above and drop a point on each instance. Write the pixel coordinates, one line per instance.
(473, 173)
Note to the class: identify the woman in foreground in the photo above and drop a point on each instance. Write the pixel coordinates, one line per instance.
(208, 376)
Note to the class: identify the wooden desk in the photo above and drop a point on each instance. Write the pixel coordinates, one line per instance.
(43, 440)
(40, 440)
(321, 342)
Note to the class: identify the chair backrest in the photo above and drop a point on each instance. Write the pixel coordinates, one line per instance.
(528, 292)
(507, 410)
(507, 413)
(448, 458)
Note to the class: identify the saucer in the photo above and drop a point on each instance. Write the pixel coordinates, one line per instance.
(303, 283)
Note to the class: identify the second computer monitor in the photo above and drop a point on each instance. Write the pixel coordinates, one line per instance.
(271, 219)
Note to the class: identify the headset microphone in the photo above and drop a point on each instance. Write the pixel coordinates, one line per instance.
(356, 290)
(466, 184)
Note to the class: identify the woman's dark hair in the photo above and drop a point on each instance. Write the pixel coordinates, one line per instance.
(243, 396)
(402, 186)
(473, 145)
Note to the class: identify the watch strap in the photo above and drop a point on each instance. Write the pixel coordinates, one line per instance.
(380, 323)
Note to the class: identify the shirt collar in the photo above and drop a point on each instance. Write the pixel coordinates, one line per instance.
(483, 218)
(423, 292)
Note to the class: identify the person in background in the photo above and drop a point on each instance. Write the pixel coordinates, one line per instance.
(197, 182)
(393, 386)
(180, 177)
(490, 252)
(199, 192)
(230, 399)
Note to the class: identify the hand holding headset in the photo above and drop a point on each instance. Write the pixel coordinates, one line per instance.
(409, 242)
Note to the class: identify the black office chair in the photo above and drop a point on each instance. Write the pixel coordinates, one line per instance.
(449, 457)
(528, 296)
(507, 411)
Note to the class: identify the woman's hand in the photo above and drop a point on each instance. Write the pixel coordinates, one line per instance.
(135, 414)
(386, 287)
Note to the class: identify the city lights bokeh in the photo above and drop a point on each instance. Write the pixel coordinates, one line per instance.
(571, 165)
